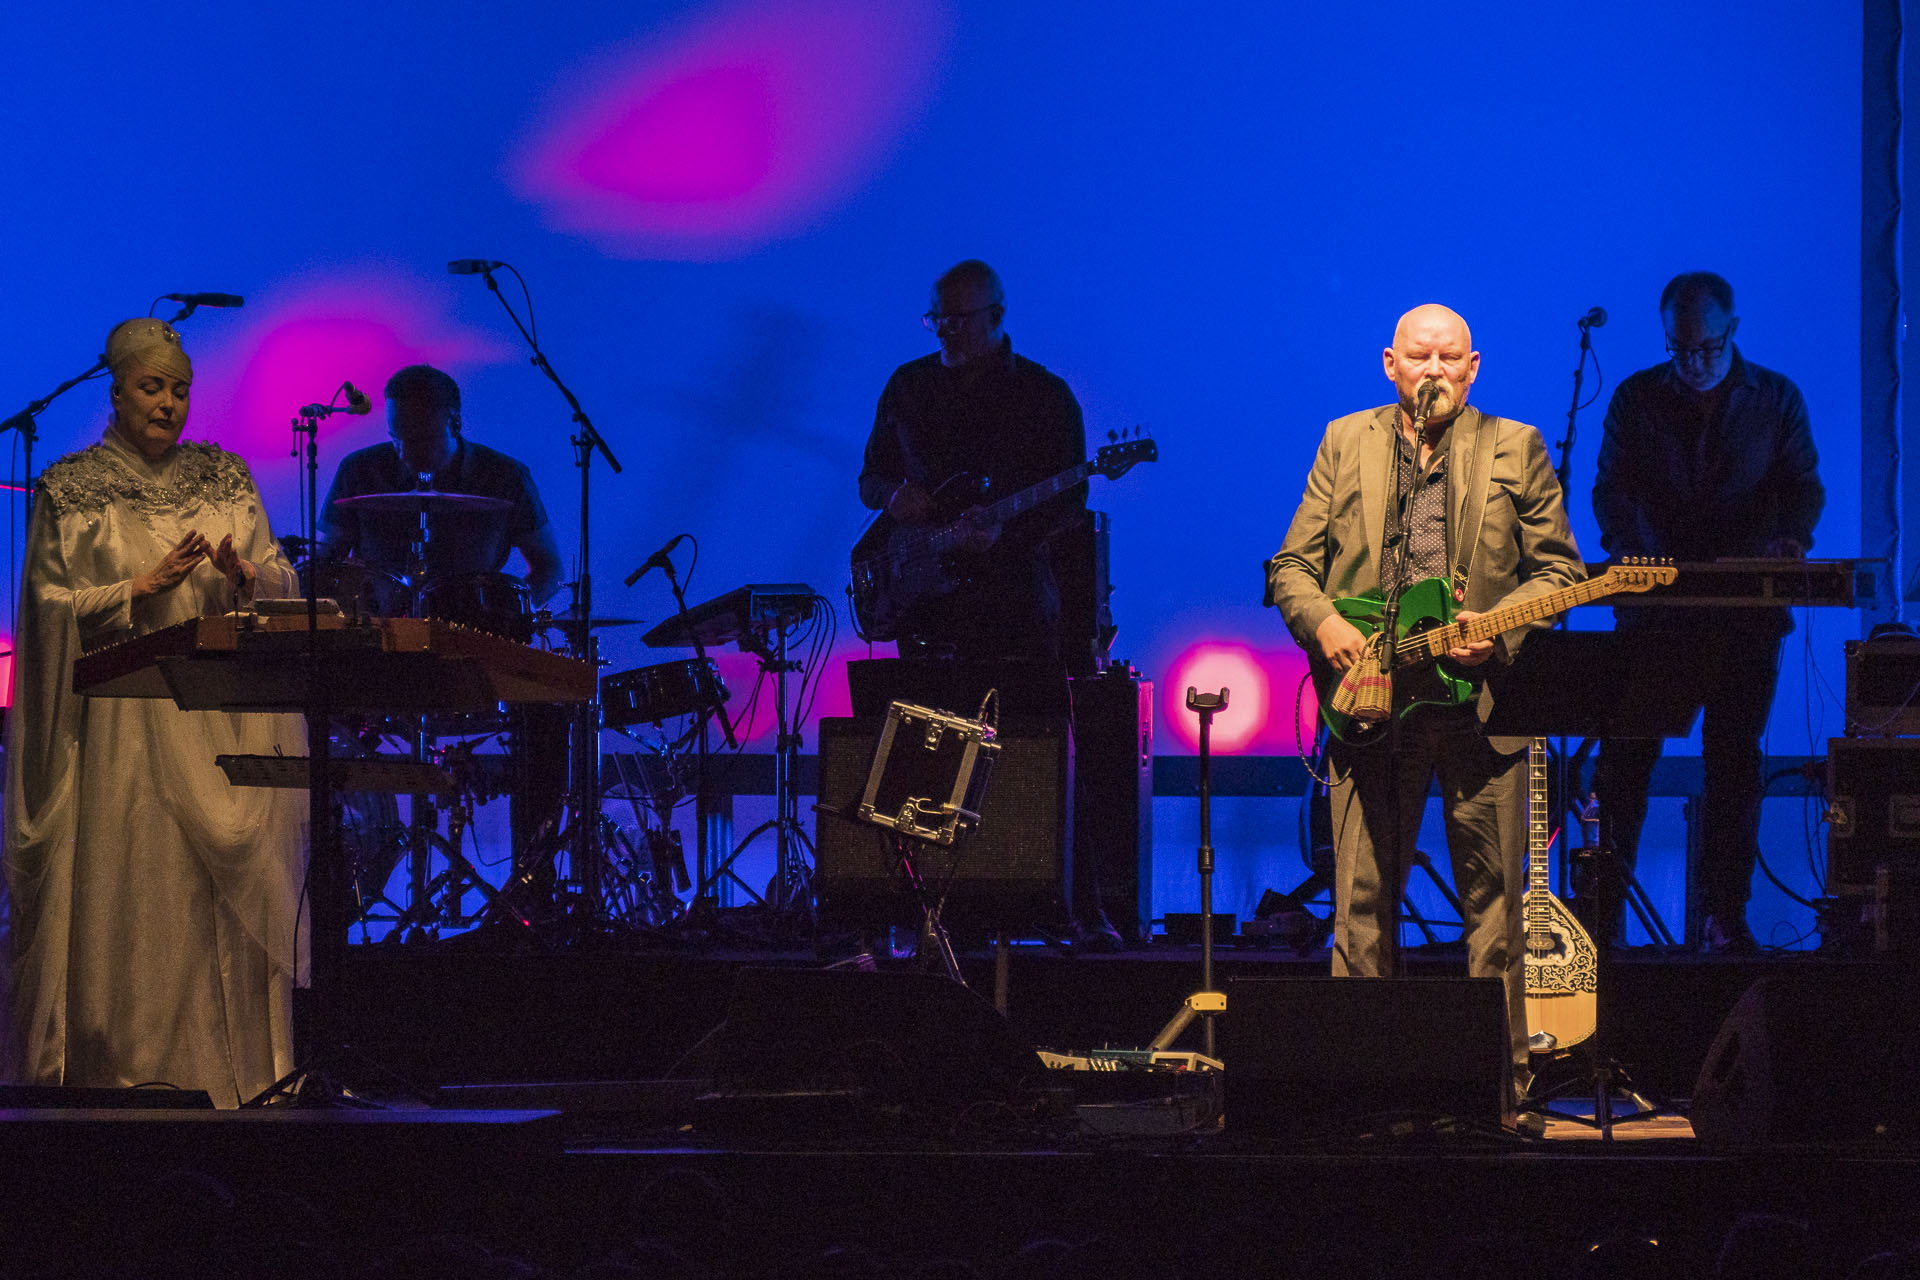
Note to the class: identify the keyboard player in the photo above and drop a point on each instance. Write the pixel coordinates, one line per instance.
(1706, 456)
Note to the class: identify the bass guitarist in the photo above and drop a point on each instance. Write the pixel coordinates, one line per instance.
(976, 411)
(1483, 514)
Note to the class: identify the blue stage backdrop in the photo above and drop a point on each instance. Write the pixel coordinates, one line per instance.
(728, 214)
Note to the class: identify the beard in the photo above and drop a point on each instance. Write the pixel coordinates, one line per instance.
(1443, 407)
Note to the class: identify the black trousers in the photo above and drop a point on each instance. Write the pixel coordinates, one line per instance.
(1736, 702)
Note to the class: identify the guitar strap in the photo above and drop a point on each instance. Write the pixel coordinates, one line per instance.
(1467, 538)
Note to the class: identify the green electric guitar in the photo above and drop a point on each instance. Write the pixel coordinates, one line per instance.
(1353, 704)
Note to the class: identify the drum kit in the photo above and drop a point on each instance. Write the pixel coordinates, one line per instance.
(444, 890)
(630, 872)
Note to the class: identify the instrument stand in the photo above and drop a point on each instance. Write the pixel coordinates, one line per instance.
(1584, 684)
(703, 901)
(905, 851)
(320, 1045)
(791, 885)
(1206, 1003)
(1593, 867)
(459, 876)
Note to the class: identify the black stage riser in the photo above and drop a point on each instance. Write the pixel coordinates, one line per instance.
(442, 1017)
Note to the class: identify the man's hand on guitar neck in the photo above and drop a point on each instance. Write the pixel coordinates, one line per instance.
(1474, 654)
(977, 533)
(910, 504)
(1341, 643)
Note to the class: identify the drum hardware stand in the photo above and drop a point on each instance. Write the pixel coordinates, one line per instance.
(585, 849)
(665, 872)
(791, 885)
(704, 855)
(1206, 1003)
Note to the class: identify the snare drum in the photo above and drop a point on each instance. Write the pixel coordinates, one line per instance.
(495, 602)
(661, 692)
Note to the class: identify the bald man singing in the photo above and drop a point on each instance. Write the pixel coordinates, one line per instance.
(1480, 508)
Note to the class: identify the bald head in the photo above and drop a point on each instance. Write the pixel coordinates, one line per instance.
(1433, 318)
(1432, 345)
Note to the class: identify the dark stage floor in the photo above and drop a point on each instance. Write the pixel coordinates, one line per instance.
(582, 1105)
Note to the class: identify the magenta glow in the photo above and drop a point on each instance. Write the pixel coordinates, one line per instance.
(733, 129)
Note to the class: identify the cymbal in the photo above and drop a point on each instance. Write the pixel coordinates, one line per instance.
(431, 501)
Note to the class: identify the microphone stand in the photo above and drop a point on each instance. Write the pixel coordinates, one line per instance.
(586, 850)
(1389, 623)
(1564, 471)
(319, 1037)
(1565, 445)
(24, 423)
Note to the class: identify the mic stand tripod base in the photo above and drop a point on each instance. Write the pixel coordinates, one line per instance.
(1201, 1004)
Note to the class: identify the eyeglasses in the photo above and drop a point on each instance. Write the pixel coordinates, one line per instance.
(1709, 350)
(934, 319)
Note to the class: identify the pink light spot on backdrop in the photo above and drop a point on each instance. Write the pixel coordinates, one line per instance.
(706, 140)
(6, 671)
(707, 137)
(1259, 702)
(298, 348)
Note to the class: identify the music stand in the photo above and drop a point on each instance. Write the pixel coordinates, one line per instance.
(1592, 684)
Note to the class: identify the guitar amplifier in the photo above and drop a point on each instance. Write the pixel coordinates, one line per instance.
(1883, 687)
(1873, 836)
(1010, 872)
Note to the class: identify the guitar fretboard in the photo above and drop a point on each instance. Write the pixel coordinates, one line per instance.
(1014, 504)
(1538, 912)
(1426, 646)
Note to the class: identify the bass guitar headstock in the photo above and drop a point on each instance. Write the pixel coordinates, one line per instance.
(1116, 459)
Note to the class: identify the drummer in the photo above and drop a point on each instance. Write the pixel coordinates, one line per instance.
(426, 450)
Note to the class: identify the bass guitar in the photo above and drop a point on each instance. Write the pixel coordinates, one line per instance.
(1561, 965)
(898, 568)
(1353, 703)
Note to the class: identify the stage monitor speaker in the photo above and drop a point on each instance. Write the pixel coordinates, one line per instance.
(916, 1044)
(1815, 1058)
(42, 1097)
(1330, 1059)
(1009, 873)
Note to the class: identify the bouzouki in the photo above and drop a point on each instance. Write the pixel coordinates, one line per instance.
(1561, 965)
(1353, 703)
(898, 568)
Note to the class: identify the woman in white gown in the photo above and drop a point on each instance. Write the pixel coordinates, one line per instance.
(152, 907)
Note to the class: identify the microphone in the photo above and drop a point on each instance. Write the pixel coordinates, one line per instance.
(472, 266)
(658, 560)
(357, 404)
(205, 299)
(1594, 319)
(1423, 398)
